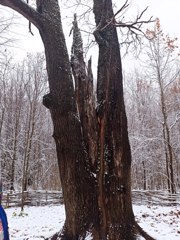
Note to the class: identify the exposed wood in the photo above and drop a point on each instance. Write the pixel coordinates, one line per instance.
(114, 176)
(85, 96)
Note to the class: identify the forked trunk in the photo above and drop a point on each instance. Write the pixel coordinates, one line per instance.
(94, 157)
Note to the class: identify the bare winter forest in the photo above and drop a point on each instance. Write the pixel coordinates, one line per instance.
(152, 98)
(27, 149)
(90, 128)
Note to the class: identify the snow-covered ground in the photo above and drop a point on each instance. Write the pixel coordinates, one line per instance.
(163, 223)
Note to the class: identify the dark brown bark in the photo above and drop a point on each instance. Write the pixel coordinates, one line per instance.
(85, 96)
(102, 204)
(77, 181)
(115, 158)
(114, 177)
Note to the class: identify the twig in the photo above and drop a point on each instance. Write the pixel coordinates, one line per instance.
(30, 23)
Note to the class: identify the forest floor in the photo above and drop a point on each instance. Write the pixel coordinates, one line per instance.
(37, 223)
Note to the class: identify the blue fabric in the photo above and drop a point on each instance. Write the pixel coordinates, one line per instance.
(4, 223)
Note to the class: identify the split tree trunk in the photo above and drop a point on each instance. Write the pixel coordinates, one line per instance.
(94, 156)
(114, 177)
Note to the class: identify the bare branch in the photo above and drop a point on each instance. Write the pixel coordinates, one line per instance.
(132, 26)
(126, 4)
(24, 9)
(141, 14)
(30, 23)
(30, 29)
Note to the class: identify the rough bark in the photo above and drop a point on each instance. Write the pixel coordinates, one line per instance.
(77, 181)
(100, 205)
(115, 158)
(85, 96)
(114, 177)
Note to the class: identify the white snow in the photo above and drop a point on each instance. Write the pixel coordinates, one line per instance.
(162, 223)
(38, 223)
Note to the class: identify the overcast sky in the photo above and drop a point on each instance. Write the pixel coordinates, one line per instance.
(168, 11)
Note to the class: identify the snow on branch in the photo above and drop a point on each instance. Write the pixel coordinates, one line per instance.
(24, 9)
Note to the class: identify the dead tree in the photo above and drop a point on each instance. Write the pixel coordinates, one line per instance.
(92, 143)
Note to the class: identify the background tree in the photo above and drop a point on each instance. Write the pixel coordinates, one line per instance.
(4, 64)
(22, 88)
(142, 125)
(151, 105)
(163, 70)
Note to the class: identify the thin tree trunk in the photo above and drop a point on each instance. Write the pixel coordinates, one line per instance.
(144, 176)
(167, 141)
(14, 153)
(18, 103)
(167, 161)
(28, 148)
(2, 120)
(31, 127)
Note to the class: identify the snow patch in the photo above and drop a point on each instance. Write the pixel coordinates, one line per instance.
(88, 236)
(162, 223)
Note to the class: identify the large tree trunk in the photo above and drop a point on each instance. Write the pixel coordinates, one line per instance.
(114, 177)
(77, 181)
(114, 155)
(94, 164)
